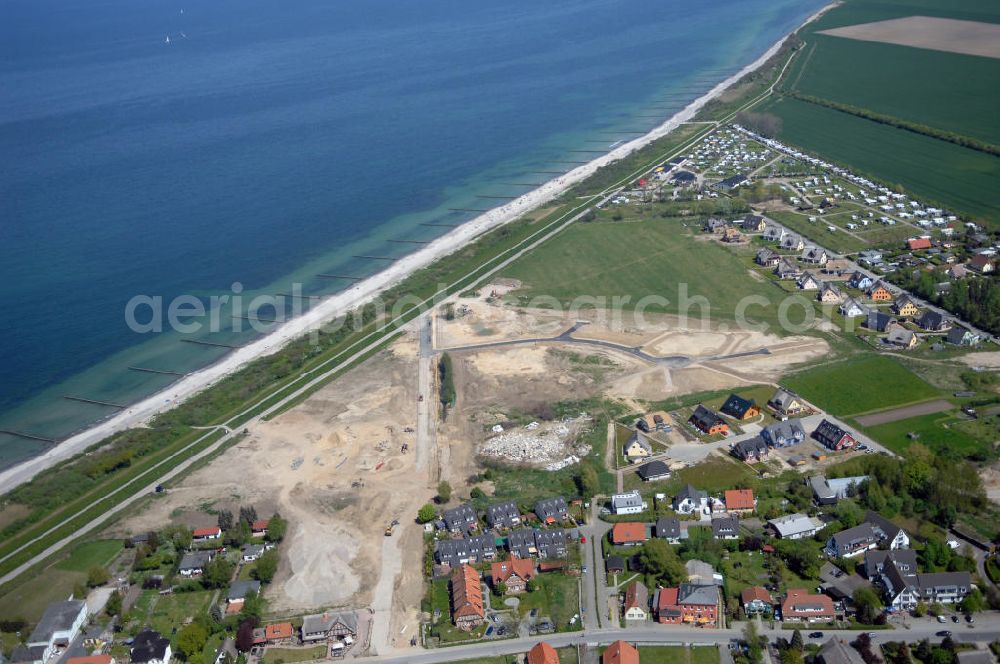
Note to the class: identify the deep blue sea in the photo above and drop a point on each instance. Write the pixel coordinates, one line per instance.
(269, 141)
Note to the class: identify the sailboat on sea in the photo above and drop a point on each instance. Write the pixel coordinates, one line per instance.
(167, 40)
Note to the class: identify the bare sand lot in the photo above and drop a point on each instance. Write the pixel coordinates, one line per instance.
(936, 34)
(988, 360)
(904, 413)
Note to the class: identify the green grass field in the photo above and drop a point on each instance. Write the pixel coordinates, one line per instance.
(679, 655)
(91, 554)
(28, 600)
(940, 432)
(169, 611)
(275, 655)
(956, 177)
(860, 385)
(651, 259)
(556, 597)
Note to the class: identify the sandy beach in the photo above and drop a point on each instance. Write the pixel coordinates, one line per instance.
(141, 412)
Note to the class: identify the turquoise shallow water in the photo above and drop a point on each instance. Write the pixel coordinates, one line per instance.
(269, 142)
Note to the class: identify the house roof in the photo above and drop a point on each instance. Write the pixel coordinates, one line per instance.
(277, 631)
(736, 406)
(829, 432)
(466, 593)
(668, 527)
(58, 617)
(206, 532)
(782, 398)
(698, 594)
(750, 447)
(705, 418)
(724, 526)
(785, 430)
(653, 469)
(629, 499)
(888, 528)
(637, 437)
(259, 524)
(522, 567)
(637, 596)
(543, 653)
(689, 493)
(615, 563)
(739, 499)
(324, 622)
(620, 652)
(836, 651)
(148, 645)
(751, 593)
(628, 531)
(195, 559)
(243, 589)
(918, 243)
(792, 524)
(551, 508)
(798, 602)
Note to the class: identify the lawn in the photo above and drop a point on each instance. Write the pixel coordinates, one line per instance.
(91, 554)
(679, 655)
(714, 474)
(277, 655)
(556, 597)
(169, 611)
(28, 599)
(839, 242)
(940, 432)
(657, 264)
(566, 656)
(953, 176)
(859, 385)
(743, 569)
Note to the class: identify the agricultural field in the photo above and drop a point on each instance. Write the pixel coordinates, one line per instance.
(941, 432)
(860, 385)
(652, 258)
(950, 175)
(98, 553)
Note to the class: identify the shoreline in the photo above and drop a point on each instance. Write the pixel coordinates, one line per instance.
(141, 412)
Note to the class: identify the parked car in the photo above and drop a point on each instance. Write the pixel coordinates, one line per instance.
(954, 619)
(942, 619)
(944, 633)
(968, 618)
(815, 635)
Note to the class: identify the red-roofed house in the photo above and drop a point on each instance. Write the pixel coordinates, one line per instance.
(467, 609)
(279, 632)
(259, 528)
(514, 573)
(543, 653)
(205, 534)
(756, 600)
(740, 500)
(802, 605)
(981, 264)
(690, 603)
(917, 243)
(620, 652)
(628, 533)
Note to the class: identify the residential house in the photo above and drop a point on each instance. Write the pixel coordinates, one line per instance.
(714, 225)
(774, 233)
(739, 408)
(814, 256)
(339, 624)
(860, 281)
(871, 257)
(975, 657)
(688, 603)
(852, 542)
(851, 308)
(785, 403)
(278, 633)
(259, 528)
(461, 519)
(830, 294)
(904, 306)
(514, 573)
(837, 651)
(683, 178)
(833, 437)
(887, 531)
(526, 542)
(542, 653)
(961, 336)
(838, 584)
(918, 243)
(957, 271)
(901, 337)
(786, 269)
(656, 421)
(981, 264)
(552, 510)
(740, 501)
(689, 500)
(726, 527)
(879, 292)
(828, 492)
(904, 587)
(751, 450)
(733, 236)
(193, 563)
(794, 526)
(628, 533)
(503, 515)
(59, 625)
(808, 282)
(252, 552)
(754, 223)
(756, 600)
(653, 470)
(238, 593)
(637, 447)
(467, 610)
(614, 564)
(630, 502)
(620, 652)
(731, 182)
(932, 321)
(149, 647)
(636, 605)
(456, 552)
(206, 534)
(783, 434)
(800, 605)
(668, 528)
(792, 242)
(708, 421)
(767, 258)
(879, 321)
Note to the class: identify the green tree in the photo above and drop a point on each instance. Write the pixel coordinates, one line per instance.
(190, 640)
(661, 561)
(477, 493)
(427, 513)
(532, 585)
(797, 642)
(868, 605)
(499, 588)
(97, 576)
(217, 573)
(225, 520)
(114, 605)
(848, 513)
(755, 650)
(973, 602)
(267, 566)
(276, 528)
(444, 492)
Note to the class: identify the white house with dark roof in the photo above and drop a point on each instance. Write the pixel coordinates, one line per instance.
(690, 500)
(794, 526)
(59, 625)
(630, 502)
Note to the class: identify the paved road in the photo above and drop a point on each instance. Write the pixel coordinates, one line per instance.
(986, 630)
(425, 384)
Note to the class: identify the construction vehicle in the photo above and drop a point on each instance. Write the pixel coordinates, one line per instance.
(390, 527)
(405, 448)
